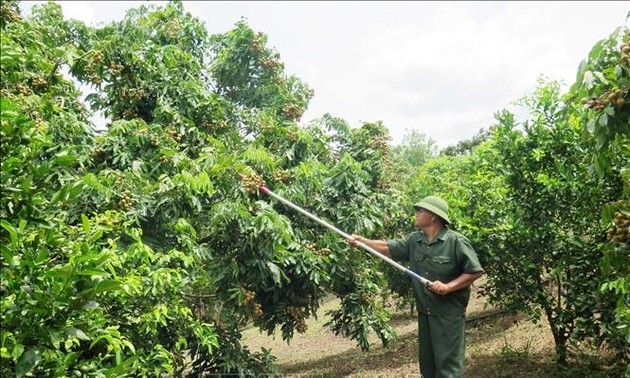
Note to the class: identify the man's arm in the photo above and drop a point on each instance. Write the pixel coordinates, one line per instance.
(379, 246)
(462, 281)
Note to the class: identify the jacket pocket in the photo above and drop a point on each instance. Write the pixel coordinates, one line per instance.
(441, 259)
(443, 267)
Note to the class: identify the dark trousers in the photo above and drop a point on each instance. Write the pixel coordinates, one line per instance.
(441, 345)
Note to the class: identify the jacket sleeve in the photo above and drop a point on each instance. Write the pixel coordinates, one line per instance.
(466, 256)
(400, 248)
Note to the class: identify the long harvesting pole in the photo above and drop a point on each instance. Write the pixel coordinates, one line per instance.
(396, 265)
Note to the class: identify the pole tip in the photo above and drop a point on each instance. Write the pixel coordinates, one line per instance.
(265, 190)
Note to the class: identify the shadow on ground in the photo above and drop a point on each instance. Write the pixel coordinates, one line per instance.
(404, 351)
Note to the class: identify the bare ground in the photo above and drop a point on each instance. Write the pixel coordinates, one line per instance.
(497, 345)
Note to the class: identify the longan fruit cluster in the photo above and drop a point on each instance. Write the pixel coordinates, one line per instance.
(248, 296)
(97, 56)
(5, 93)
(269, 64)
(98, 152)
(23, 90)
(128, 113)
(615, 97)
(292, 111)
(320, 251)
(253, 183)
(136, 94)
(280, 80)
(154, 140)
(116, 68)
(172, 132)
(216, 126)
(39, 83)
(620, 232)
(258, 45)
(172, 29)
(295, 312)
(126, 201)
(120, 180)
(292, 136)
(257, 310)
(281, 175)
(40, 124)
(381, 143)
(94, 78)
(164, 159)
(625, 52)
(8, 14)
(301, 326)
(365, 298)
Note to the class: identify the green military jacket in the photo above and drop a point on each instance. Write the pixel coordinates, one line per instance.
(445, 258)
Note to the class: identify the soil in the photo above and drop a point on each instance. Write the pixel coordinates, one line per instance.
(497, 345)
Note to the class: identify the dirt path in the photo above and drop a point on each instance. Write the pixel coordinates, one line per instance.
(497, 346)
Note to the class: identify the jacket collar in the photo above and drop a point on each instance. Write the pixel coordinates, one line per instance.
(441, 235)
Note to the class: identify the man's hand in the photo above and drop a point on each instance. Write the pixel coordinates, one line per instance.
(462, 281)
(440, 287)
(379, 246)
(355, 240)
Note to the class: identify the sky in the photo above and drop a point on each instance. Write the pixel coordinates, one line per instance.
(440, 68)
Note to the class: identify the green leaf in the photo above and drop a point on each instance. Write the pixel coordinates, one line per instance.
(27, 362)
(96, 236)
(12, 232)
(56, 337)
(588, 80)
(107, 285)
(601, 164)
(92, 272)
(603, 120)
(75, 332)
(41, 256)
(618, 71)
(76, 189)
(86, 223)
(18, 349)
(601, 139)
(275, 271)
(594, 55)
(70, 358)
(91, 305)
(601, 77)
(58, 196)
(64, 159)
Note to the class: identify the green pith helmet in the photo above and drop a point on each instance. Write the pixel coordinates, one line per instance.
(435, 205)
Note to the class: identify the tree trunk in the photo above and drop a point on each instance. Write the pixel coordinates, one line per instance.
(559, 337)
(561, 348)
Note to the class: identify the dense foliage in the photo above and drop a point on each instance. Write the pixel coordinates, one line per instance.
(139, 251)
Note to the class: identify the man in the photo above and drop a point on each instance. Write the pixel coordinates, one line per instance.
(448, 260)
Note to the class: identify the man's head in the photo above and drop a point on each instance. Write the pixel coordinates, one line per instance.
(435, 206)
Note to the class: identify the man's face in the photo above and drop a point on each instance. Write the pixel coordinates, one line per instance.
(423, 218)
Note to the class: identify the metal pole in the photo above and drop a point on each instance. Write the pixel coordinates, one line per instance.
(396, 265)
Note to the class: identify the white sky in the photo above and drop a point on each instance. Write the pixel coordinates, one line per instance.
(443, 68)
